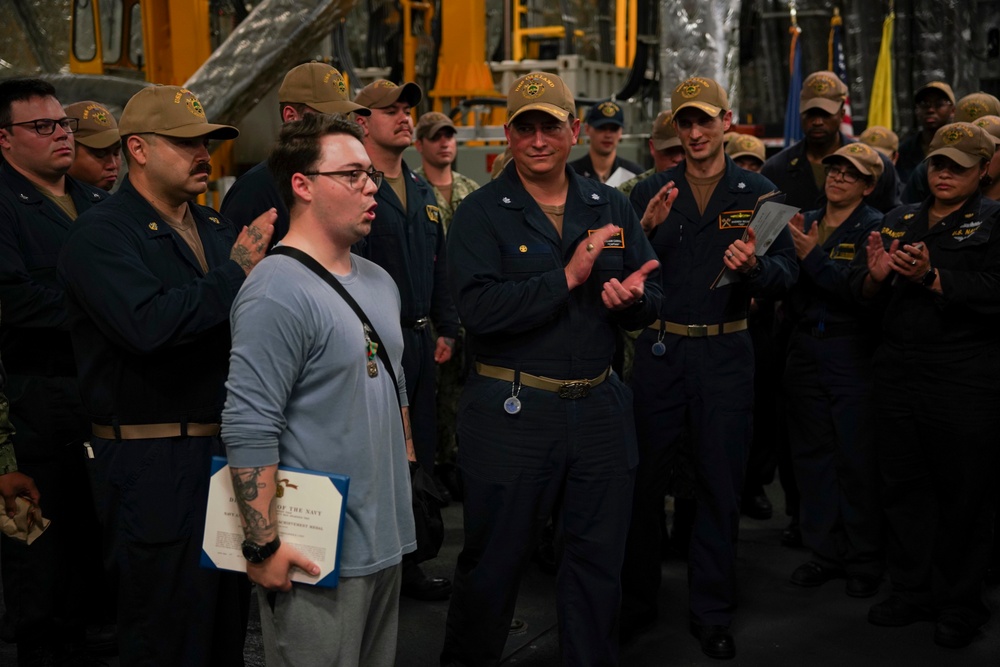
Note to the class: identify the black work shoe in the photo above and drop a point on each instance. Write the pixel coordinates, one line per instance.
(757, 506)
(862, 585)
(894, 612)
(812, 574)
(716, 641)
(792, 536)
(953, 631)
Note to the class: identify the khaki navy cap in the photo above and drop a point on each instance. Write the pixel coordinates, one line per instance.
(973, 106)
(98, 128)
(382, 93)
(822, 90)
(745, 145)
(864, 158)
(664, 135)
(963, 143)
(992, 126)
(540, 91)
(170, 111)
(319, 86)
(882, 139)
(940, 86)
(433, 122)
(700, 93)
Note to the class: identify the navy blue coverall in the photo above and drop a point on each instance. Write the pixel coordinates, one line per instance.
(254, 193)
(937, 393)
(151, 334)
(48, 580)
(828, 391)
(506, 269)
(704, 384)
(410, 245)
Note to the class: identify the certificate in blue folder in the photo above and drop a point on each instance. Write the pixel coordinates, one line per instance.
(311, 508)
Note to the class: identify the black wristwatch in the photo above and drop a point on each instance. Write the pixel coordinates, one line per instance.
(929, 277)
(258, 553)
(755, 271)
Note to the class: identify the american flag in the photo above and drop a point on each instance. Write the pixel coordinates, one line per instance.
(838, 65)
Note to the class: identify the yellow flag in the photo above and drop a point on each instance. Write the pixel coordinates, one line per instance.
(880, 107)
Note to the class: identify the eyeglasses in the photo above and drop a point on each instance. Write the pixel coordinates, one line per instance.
(357, 176)
(848, 176)
(46, 126)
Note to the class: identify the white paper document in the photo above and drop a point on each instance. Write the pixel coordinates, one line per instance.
(311, 509)
(768, 220)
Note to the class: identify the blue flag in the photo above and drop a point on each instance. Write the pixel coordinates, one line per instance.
(793, 124)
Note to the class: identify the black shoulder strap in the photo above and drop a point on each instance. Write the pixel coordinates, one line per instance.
(320, 271)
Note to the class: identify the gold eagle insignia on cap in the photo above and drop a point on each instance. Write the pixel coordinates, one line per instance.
(382, 83)
(955, 134)
(985, 122)
(337, 79)
(98, 114)
(691, 87)
(533, 87)
(609, 109)
(746, 143)
(874, 136)
(821, 84)
(859, 148)
(194, 106)
(974, 109)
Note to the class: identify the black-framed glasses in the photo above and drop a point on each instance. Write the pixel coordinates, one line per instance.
(357, 176)
(848, 176)
(46, 126)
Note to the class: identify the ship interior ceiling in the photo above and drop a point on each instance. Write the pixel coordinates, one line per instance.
(233, 54)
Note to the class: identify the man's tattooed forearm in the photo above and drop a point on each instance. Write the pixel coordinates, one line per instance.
(246, 487)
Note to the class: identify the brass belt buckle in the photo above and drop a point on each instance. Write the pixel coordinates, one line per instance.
(697, 330)
(575, 390)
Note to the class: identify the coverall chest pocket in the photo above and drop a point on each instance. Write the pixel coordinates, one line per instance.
(521, 262)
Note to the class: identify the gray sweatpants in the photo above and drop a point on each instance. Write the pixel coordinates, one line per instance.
(353, 625)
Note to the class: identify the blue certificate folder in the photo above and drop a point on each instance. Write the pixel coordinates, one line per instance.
(305, 510)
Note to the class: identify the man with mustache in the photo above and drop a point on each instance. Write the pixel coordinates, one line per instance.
(407, 240)
(150, 278)
(98, 145)
(38, 205)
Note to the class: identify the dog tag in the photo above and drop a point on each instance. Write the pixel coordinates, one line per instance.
(512, 405)
(372, 369)
(659, 349)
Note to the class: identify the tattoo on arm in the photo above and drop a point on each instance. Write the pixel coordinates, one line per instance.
(241, 256)
(247, 485)
(407, 431)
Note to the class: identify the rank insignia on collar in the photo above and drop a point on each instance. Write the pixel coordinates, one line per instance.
(94, 195)
(24, 196)
(794, 161)
(908, 216)
(595, 196)
(506, 200)
(214, 219)
(154, 226)
(969, 215)
(741, 185)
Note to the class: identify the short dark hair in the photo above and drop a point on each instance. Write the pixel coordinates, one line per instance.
(20, 90)
(297, 148)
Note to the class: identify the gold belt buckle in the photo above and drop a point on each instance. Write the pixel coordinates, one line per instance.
(575, 390)
(697, 330)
